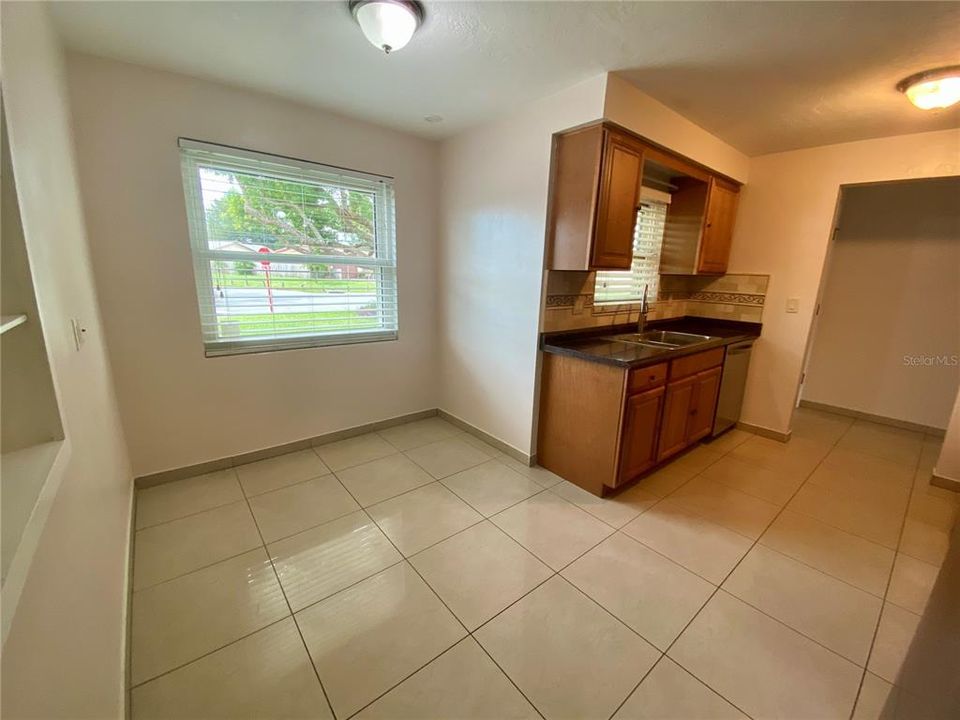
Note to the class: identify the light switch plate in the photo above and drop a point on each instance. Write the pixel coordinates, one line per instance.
(793, 305)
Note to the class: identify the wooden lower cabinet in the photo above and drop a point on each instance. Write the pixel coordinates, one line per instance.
(602, 426)
(641, 424)
(676, 413)
(704, 404)
(688, 411)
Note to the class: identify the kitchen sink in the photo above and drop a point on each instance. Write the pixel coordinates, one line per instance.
(663, 338)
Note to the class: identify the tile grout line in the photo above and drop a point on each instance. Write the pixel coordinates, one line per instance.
(208, 653)
(554, 573)
(716, 588)
(617, 619)
(283, 592)
(759, 538)
(198, 512)
(470, 633)
(404, 558)
(249, 497)
(453, 614)
(418, 445)
(207, 566)
(886, 590)
(379, 529)
(733, 569)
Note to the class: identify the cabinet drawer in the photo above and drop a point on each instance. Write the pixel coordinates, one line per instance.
(645, 378)
(685, 366)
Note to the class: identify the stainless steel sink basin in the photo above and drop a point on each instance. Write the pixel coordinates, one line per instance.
(663, 338)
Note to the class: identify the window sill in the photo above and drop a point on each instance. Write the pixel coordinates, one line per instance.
(255, 347)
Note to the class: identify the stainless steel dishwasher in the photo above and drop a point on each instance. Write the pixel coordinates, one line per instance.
(732, 383)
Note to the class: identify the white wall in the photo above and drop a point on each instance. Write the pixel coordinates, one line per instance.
(948, 464)
(178, 407)
(783, 228)
(891, 290)
(493, 223)
(633, 109)
(63, 657)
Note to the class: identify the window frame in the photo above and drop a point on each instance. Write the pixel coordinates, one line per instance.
(288, 169)
(632, 300)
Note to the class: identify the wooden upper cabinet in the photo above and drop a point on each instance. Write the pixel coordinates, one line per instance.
(596, 175)
(617, 208)
(594, 195)
(721, 213)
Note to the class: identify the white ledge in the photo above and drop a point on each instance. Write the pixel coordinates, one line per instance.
(8, 322)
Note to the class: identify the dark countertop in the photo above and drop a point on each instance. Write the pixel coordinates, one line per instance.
(595, 344)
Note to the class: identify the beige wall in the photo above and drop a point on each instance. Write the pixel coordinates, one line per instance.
(63, 656)
(891, 291)
(493, 220)
(783, 228)
(626, 105)
(178, 407)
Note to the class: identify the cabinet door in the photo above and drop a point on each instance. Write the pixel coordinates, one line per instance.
(676, 411)
(721, 213)
(621, 174)
(638, 446)
(704, 404)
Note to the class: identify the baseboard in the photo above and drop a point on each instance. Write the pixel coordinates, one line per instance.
(880, 419)
(944, 482)
(165, 476)
(765, 431)
(499, 444)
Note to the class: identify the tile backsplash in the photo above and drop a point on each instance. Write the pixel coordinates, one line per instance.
(569, 301)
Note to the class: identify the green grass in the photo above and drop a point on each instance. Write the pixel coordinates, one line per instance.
(313, 285)
(264, 324)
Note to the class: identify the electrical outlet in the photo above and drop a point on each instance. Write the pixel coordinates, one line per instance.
(78, 333)
(793, 305)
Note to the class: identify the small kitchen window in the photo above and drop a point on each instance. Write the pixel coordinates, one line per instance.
(288, 253)
(626, 286)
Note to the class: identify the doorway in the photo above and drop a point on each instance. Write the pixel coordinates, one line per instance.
(886, 339)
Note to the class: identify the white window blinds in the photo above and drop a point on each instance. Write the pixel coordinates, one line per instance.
(620, 286)
(288, 253)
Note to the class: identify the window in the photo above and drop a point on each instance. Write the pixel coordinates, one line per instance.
(623, 286)
(287, 253)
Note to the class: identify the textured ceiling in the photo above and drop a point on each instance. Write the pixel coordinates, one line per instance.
(762, 76)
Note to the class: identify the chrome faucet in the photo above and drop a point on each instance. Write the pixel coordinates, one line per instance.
(644, 309)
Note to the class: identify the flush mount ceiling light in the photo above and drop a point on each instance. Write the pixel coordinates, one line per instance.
(933, 89)
(387, 24)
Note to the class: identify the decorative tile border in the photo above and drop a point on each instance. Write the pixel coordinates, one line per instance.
(569, 303)
(725, 298)
(562, 301)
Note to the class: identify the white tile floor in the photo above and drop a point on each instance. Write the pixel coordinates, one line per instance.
(419, 573)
